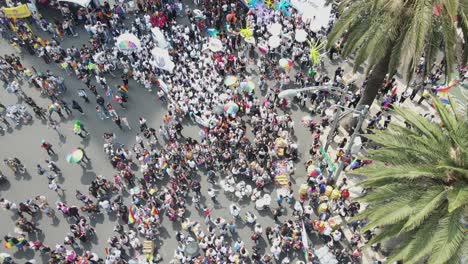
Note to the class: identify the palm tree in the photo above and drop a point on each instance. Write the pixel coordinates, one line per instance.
(394, 34)
(418, 187)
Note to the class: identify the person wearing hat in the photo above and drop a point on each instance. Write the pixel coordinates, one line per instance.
(47, 146)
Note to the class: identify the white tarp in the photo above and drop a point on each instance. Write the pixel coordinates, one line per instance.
(162, 60)
(313, 10)
(83, 3)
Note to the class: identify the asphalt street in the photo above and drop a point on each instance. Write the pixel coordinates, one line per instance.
(24, 142)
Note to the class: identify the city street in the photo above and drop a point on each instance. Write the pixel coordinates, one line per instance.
(24, 143)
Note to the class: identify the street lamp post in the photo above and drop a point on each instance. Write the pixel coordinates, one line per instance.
(362, 117)
(336, 118)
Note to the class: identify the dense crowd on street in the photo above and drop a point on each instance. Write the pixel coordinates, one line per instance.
(160, 174)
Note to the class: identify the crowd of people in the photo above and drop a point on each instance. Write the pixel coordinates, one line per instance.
(163, 170)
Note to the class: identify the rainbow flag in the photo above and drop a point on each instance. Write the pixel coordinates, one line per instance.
(8, 244)
(305, 243)
(131, 215)
(447, 88)
(21, 242)
(164, 165)
(154, 211)
(58, 31)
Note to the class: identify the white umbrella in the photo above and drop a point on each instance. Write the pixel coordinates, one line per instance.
(128, 41)
(215, 44)
(274, 41)
(275, 29)
(83, 3)
(301, 35)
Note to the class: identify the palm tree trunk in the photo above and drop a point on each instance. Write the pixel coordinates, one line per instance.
(374, 84)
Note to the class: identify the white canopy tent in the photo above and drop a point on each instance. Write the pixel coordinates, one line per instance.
(83, 3)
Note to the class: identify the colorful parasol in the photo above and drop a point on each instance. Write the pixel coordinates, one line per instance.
(230, 80)
(231, 108)
(51, 108)
(285, 63)
(128, 42)
(313, 171)
(75, 156)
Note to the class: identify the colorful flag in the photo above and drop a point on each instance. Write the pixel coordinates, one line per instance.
(305, 243)
(8, 244)
(131, 215)
(58, 31)
(447, 88)
(154, 211)
(107, 250)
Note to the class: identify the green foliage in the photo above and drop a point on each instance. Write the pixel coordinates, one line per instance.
(418, 187)
(410, 29)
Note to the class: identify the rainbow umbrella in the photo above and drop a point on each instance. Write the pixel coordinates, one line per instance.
(128, 41)
(231, 108)
(51, 108)
(285, 63)
(75, 156)
(230, 80)
(313, 171)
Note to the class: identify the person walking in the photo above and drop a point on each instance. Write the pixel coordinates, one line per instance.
(77, 107)
(82, 93)
(52, 166)
(65, 106)
(47, 147)
(117, 121)
(125, 122)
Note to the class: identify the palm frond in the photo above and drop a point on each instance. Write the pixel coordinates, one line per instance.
(425, 206)
(450, 236)
(457, 197)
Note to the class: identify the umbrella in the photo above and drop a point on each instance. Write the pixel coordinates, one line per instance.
(128, 41)
(313, 171)
(230, 80)
(275, 29)
(51, 108)
(301, 35)
(198, 13)
(247, 86)
(263, 48)
(212, 32)
(285, 63)
(215, 44)
(75, 156)
(231, 108)
(274, 41)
